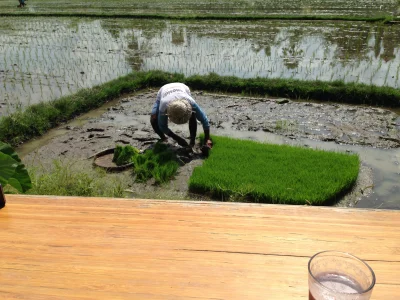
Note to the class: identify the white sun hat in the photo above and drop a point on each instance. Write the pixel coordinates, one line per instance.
(179, 111)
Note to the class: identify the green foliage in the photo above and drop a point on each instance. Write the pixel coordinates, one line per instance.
(257, 172)
(12, 170)
(124, 154)
(159, 163)
(336, 91)
(70, 179)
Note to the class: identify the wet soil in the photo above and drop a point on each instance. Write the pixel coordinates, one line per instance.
(127, 122)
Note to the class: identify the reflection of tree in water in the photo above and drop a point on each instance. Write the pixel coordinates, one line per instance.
(265, 40)
(292, 55)
(351, 42)
(387, 38)
(260, 36)
(138, 34)
(134, 57)
(178, 36)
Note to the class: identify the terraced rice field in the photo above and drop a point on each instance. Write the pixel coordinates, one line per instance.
(221, 7)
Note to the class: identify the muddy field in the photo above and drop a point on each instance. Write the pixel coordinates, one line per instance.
(127, 122)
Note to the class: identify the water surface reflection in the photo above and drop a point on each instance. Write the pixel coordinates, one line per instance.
(45, 58)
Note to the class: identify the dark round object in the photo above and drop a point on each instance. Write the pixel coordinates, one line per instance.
(103, 159)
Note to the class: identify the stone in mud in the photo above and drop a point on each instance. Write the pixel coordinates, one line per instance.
(144, 139)
(102, 136)
(95, 129)
(282, 101)
(122, 142)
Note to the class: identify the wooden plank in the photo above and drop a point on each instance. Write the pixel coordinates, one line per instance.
(97, 248)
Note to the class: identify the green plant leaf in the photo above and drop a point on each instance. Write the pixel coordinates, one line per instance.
(6, 149)
(15, 184)
(12, 171)
(21, 175)
(8, 165)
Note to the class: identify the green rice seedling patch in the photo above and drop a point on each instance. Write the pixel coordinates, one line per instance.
(159, 163)
(70, 178)
(124, 154)
(257, 172)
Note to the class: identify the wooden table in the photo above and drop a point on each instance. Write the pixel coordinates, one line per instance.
(97, 248)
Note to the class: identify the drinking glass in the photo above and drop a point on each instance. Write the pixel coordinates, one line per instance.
(334, 275)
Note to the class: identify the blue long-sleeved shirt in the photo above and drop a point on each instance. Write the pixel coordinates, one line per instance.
(170, 92)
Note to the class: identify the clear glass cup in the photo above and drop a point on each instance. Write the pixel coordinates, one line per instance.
(334, 275)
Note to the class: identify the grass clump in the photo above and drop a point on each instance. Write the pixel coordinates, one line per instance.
(71, 179)
(124, 154)
(257, 172)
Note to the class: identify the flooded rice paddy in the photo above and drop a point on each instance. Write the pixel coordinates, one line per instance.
(221, 7)
(45, 58)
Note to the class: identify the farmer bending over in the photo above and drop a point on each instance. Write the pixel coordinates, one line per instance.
(21, 3)
(174, 102)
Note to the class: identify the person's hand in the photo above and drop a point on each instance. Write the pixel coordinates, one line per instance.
(209, 143)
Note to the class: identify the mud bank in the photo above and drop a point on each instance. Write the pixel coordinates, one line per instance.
(127, 122)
